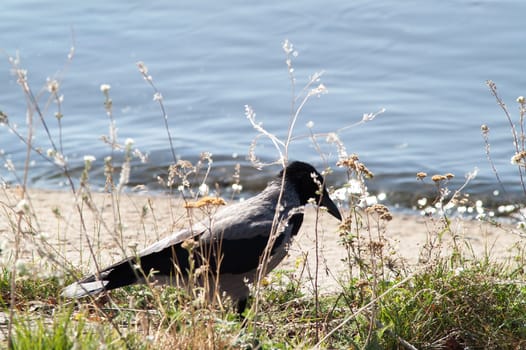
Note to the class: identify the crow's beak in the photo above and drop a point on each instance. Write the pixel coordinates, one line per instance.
(327, 202)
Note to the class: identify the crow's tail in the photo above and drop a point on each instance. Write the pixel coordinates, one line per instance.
(118, 275)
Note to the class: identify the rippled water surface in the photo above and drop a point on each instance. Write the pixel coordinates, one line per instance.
(426, 64)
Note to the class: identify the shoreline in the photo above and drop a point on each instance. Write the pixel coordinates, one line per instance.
(53, 226)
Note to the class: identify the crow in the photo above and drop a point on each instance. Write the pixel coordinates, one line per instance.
(229, 245)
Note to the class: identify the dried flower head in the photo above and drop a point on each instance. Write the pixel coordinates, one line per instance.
(22, 78)
(362, 284)
(376, 247)
(332, 138)
(203, 189)
(518, 158)
(521, 100)
(386, 217)
(202, 270)
(142, 67)
(437, 178)
(189, 244)
(22, 207)
(129, 142)
(89, 158)
(352, 162)
(157, 96)
(421, 175)
(3, 118)
(105, 88)
(319, 90)
(52, 86)
(206, 202)
(9, 165)
(288, 47)
(381, 210)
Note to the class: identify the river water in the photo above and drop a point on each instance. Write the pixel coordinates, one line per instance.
(424, 62)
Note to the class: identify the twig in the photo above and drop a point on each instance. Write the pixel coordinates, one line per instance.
(516, 143)
(159, 98)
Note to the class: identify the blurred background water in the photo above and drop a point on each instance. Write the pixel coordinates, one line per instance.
(426, 63)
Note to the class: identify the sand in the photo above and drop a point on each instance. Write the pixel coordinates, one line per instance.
(55, 239)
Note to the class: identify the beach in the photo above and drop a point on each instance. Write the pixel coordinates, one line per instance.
(65, 235)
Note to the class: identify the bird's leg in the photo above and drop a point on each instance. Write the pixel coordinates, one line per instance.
(241, 306)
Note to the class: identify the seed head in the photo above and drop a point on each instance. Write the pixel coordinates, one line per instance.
(52, 86)
(352, 162)
(189, 244)
(205, 202)
(381, 210)
(22, 207)
(518, 158)
(89, 158)
(105, 88)
(3, 118)
(438, 178)
(142, 67)
(237, 187)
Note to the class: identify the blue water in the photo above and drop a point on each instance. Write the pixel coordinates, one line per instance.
(426, 63)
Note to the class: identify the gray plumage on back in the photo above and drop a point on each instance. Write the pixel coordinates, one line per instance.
(231, 243)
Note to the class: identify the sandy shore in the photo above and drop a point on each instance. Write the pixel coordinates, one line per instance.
(53, 228)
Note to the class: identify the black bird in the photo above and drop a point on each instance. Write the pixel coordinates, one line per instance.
(230, 245)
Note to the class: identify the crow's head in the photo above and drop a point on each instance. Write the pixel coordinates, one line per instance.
(310, 184)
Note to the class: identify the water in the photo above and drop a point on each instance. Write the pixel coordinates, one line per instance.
(425, 63)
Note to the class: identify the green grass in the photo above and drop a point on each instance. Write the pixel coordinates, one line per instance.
(62, 330)
(475, 306)
(27, 289)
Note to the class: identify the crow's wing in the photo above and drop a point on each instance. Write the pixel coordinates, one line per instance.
(231, 241)
(240, 233)
(175, 238)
